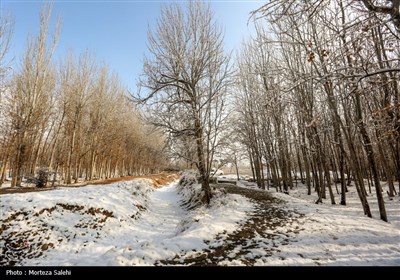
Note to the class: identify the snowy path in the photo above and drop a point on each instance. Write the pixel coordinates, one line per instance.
(137, 239)
(161, 219)
(166, 230)
(150, 237)
(155, 228)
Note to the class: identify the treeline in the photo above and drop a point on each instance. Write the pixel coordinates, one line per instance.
(318, 99)
(71, 118)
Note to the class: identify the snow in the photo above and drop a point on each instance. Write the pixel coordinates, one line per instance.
(342, 235)
(131, 223)
(334, 235)
(141, 226)
(225, 213)
(70, 220)
(6, 184)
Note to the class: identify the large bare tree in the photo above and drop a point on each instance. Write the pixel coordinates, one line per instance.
(187, 71)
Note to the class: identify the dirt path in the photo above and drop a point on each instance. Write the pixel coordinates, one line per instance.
(266, 221)
(157, 180)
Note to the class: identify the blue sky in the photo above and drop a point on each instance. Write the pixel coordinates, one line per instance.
(116, 31)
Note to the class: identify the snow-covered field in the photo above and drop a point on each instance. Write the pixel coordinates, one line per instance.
(131, 223)
(125, 223)
(342, 235)
(332, 234)
(59, 226)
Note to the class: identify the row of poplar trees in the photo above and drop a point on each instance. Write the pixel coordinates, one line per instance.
(71, 117)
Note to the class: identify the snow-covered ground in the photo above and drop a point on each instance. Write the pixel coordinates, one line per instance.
(335, 234)
(54, 226)
(131, 223)
(342, 235)
(125, 223)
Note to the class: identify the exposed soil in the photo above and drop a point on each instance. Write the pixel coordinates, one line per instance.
(266, 221)
(157, 180)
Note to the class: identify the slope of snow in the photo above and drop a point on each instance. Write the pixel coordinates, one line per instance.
(126, 223)
(202, 224)
(67, 221)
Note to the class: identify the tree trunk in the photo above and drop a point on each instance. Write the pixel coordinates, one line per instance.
(204, 176)
(371, 157)
(19, 161)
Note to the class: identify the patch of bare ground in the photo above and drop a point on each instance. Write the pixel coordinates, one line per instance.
(156, 180)
(266, 222)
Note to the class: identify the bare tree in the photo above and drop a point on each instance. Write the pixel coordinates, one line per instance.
(6, 31)
(30, 93)
(188, 71)
(387, 11)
